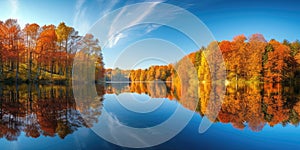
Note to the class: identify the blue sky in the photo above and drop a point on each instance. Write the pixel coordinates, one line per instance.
(278, 19)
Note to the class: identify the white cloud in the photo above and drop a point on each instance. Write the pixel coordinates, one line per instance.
(118, 130)
(14, 8)
(79, 3)
(134, 33)
(107, 6)
(152, 27)
(146, 12)
(116, 39)
(80, 20)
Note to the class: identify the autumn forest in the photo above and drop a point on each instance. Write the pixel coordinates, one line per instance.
(43, 54)
(250, 59)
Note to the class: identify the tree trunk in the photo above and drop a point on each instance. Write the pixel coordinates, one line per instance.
(17, 70)
(52, 66)
(1, 70)
(38, 72)
(30, 66)
(66, 62)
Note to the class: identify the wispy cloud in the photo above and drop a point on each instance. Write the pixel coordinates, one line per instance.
(152, 27)
(116, 39)
(120, 132)
(138, 19)
(107, 6)
(137, 32)
(80, 20)
(79, 3)
(14, 8)
(83, 19)
(146, 12)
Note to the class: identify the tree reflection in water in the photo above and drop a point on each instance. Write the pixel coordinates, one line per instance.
(251, 106)
(39, 110)
(50, 110)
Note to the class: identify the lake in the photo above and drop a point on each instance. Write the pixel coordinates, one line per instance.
(53, 117)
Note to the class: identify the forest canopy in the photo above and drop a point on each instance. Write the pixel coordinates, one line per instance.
(44, 53)
(246, 59)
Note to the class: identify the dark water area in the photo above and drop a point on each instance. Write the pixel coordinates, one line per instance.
(51, 117)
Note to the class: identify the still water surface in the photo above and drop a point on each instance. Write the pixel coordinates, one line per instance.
(48, 117)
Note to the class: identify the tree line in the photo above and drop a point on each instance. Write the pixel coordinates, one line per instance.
(162, 73)
(43, 53)
(250, 59)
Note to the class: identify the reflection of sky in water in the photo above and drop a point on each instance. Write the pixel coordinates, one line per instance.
(219, 136)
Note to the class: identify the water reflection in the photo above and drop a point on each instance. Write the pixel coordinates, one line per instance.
(50, 110)
(38, 110)
(251, 106)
